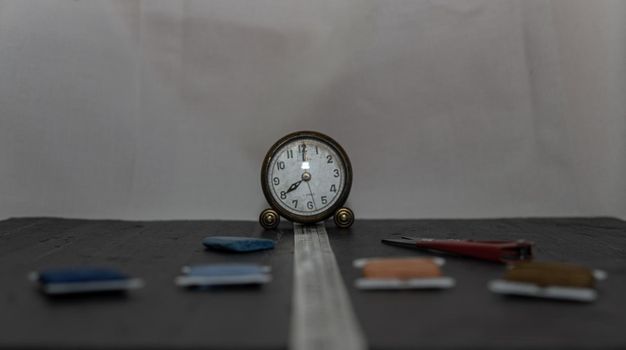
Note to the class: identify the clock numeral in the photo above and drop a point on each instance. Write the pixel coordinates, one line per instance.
(329, 159)
(280, 165)
(295, 203)
(276, 181)
(324, 200)
(336, 171)
(309, 205)
(283, 195)
(317, 150)
(289, 153)
(333, 188)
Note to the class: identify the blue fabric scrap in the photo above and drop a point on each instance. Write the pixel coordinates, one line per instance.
(238, 244)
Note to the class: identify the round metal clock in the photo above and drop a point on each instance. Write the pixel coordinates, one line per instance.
(306, 177)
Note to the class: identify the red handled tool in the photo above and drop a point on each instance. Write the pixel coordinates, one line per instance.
(500, 251)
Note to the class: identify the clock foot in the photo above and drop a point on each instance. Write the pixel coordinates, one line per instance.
(344, 217)
(269, 219)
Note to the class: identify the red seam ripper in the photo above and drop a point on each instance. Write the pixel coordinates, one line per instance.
(500, 251)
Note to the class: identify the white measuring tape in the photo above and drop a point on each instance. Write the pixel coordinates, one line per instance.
(322, 315)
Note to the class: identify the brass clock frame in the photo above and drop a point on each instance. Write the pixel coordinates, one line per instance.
(344, 217)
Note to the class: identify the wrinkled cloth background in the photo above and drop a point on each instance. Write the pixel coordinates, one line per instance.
(165, 109)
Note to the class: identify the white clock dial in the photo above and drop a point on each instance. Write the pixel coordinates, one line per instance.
(306, 177)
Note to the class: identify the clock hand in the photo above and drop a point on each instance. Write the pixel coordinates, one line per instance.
(311, 192)
(293, 186)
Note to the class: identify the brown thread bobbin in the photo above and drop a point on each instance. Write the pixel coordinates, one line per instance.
(402, 268)
(551, 274)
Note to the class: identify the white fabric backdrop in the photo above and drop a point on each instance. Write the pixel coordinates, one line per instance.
(164, 109)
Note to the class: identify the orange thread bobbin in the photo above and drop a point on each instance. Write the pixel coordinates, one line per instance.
(551, 274)
(402, 268)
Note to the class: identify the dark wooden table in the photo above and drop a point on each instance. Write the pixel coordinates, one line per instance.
(162, 316)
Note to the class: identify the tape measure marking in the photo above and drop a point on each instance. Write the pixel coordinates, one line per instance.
(322, 315)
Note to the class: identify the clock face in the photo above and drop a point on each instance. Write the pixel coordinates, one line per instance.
(307, 177)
